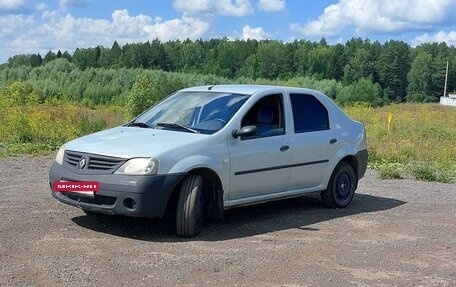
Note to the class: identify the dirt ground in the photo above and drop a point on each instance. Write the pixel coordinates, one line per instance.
(395, 233)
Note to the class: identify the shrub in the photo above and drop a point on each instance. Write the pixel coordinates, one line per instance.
(364, 91)
(429, 172)
(389, 170)
(149, 88)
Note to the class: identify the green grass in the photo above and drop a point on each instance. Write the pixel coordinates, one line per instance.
(420, 143)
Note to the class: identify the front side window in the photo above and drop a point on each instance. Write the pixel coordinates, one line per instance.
(202, 112)
(267, 116)
(309, 114)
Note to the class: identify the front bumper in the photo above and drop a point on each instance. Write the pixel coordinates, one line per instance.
(131, 195)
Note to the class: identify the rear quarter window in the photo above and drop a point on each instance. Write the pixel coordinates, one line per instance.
(309, 114)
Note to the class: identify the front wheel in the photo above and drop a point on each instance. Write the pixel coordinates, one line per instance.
(190, 207)
(341, 187)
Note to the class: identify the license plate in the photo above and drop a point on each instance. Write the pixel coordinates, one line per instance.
(83, 188)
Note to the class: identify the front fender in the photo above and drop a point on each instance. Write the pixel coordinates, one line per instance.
(199, 161)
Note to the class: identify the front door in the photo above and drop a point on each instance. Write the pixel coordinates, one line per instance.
(260, 164)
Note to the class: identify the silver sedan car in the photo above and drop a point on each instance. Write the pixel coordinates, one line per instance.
(206, 149)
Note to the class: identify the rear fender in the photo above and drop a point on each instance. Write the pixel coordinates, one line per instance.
(347, 150)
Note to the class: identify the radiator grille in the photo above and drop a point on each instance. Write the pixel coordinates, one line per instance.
(91, 163)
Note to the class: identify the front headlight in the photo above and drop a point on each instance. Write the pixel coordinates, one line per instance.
(138, 166)
(59, 156)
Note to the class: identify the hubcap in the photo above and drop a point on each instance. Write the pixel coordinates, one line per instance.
(343, 186)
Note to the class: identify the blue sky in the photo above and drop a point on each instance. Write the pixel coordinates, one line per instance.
(39, 26)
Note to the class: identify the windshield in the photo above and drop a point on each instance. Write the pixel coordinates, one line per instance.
(202, 112)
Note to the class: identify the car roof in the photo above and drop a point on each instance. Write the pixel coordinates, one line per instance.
(245, 89)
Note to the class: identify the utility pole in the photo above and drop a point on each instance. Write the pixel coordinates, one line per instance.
(446, 80)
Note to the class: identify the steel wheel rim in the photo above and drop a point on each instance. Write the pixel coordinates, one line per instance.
(343, 186)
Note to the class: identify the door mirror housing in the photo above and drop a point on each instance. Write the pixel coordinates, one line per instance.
(247, 131)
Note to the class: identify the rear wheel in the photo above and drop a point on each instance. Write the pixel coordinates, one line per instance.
(190, 207)
(341, 187)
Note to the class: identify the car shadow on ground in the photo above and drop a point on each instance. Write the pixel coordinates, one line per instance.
(296, 213)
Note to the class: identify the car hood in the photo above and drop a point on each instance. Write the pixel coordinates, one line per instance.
(128, 142)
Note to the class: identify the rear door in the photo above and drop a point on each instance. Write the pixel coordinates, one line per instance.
(314, 144)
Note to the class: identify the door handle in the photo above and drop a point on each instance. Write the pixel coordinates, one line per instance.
(284, 148)
(332, 141)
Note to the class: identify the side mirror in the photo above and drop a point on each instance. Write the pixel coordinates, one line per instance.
(247, 131)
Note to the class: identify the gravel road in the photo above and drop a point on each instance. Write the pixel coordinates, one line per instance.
(395, 233)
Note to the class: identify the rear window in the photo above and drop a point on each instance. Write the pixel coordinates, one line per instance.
(309, 114)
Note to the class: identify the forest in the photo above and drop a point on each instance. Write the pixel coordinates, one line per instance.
(358, 71)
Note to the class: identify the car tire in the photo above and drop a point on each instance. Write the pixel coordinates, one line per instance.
(190, 207)
(341, 187)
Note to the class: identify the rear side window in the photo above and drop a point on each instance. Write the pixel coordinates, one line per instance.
(309, 114)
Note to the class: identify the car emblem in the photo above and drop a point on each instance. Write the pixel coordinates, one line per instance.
(82, 163)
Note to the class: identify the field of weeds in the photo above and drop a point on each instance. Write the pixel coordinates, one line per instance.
(420, 141)
(41, 129)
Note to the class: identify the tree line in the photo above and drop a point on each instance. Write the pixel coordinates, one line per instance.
(359, 70)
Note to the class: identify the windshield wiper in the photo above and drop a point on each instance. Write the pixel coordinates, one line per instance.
(179, 126)
(139, 124)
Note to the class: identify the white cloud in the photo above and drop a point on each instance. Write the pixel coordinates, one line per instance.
(378, 16)
(123, 25)
(40, 6)
(237, 8)
(126, 28)
(194, 7)
(74, 3)
(23, 34)
(184, 28)
(271, 5)
(10, 24)
(448, 37)
(330, 23)
(11, 4)
(257, 33)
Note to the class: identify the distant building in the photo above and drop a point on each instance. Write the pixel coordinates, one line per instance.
(450, 100)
